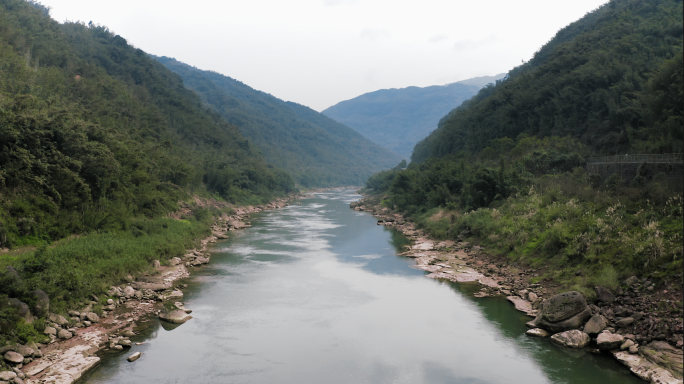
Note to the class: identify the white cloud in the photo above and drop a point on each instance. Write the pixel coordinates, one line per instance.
(319, 52)
(374, 34)
(438, 38)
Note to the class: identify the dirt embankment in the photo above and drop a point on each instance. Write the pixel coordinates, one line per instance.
(645, 317)
(77, 341)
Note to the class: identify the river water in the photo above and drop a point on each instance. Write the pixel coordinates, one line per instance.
(315, 293)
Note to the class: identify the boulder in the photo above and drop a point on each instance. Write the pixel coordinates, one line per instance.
(42, 305)
(532, 297)
(236, 224)
(93, 317)
(563, 306)
(628, 343)
(64, 334)
(114, 292)
(24, 350)
(537, 332)
(624, 323)
(156, 263)
(174, 261)
(110, 302)
(125, 343)
(607, 341)
(176, 294)
(22, 309)
(595, 325)
(128, 291)
(59, 319)
(153, 286)
(7, 375)
(50, 331)
(174, 315)
(574, 322)
(604, 295)
(134, 357)
(13, 357)
(73, 313)
(631, 281)
(572, 339)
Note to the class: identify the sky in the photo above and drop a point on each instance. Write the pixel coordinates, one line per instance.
(320, 52)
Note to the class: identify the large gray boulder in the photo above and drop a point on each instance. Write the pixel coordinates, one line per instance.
(563, 312)
(128, 291)
(42, 305)
(64, 334)
(24, 350)
(604, 295)
(13, 357)
(572, 339)
(7, 375)
(93, 317)
(595, 325)
(23, 310)
(607, 341)
(59, 319)
(563, 306)
(173, 314)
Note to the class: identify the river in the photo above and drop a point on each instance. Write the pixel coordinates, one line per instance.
(315, 293)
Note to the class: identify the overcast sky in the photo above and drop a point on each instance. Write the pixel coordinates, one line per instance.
(321, 52)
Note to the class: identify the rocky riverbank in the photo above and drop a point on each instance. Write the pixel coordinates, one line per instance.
(76, 341)
(639, 324)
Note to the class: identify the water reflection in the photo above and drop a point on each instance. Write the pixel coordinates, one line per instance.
(315, 293)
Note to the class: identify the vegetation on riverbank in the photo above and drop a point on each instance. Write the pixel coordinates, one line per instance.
(99, 143)
(507, 168)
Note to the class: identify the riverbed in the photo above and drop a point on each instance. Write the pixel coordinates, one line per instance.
(316, 293)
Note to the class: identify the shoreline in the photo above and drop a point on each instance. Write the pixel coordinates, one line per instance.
(65, 361)
(463, 262)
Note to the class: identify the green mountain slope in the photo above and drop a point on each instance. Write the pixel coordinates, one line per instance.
(398, 118)
(508, 168)
(315, 150)
(611, 79)
(94, 132)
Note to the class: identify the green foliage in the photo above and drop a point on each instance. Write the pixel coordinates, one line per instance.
(613, 79)
(95, 133)
(31, 332)
(77, 268)
(315, 150)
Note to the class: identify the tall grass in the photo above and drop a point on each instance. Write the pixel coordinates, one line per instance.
(581, 236)
(75, 269)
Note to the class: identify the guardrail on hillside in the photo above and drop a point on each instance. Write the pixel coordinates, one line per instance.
(665, 158)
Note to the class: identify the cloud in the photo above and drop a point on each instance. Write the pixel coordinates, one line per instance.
(374, 34)
(438, 38)
(466, 44)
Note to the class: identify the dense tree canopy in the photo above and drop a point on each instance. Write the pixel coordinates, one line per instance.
(612, 79)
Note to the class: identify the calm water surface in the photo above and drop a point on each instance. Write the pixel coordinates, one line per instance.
(315, 293)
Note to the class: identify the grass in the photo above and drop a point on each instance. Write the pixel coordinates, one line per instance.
(74, 269)
(586, 238)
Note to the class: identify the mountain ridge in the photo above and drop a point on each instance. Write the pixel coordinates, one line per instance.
(316, 150)
(397, 118)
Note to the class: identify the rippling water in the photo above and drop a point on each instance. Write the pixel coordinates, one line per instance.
(315, 293)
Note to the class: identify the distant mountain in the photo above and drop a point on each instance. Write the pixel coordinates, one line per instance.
(315, 150)
(399, 118)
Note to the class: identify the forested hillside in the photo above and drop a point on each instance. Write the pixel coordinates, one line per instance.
(92, 126)
(507, 169)
(611, 79)
(98, 143)
(315, 150)
(398, 118)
